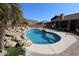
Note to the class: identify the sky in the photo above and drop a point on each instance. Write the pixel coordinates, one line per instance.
(45, 11)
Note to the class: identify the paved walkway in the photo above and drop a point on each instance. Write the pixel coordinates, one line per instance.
(73, 50)
(59, 48)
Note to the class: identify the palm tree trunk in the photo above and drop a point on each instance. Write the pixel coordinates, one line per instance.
(1, 44)
(2, 35)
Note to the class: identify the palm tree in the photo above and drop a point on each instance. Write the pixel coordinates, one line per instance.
(8, 13)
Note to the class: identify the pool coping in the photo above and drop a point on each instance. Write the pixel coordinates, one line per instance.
(62, 45)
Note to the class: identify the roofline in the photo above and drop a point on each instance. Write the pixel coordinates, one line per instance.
(65, 19)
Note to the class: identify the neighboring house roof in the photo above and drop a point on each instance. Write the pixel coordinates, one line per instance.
(68, 17)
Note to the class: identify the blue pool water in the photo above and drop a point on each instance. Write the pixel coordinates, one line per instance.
(42, 37)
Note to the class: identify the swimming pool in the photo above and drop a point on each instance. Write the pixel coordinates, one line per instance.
(42, 37)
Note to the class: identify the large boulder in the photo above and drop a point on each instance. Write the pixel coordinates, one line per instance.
(25, 51)
(10, 33)
(22, 36)
(17, 38)
(26, 43)
(9, 43)
(6, 38)
(20, 42)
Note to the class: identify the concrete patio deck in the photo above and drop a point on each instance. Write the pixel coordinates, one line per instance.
(58, 48)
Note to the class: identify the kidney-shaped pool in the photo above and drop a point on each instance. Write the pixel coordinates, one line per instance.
(42, 36)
